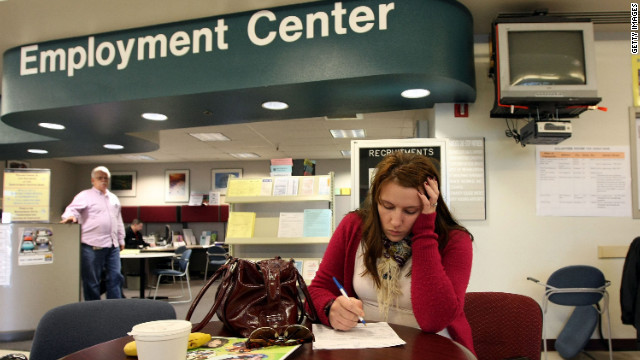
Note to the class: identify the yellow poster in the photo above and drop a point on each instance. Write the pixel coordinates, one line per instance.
(635, 76)
(26, 195)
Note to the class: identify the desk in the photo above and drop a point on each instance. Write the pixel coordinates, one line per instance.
(143, 256)
(419, 346)
(199, 257)
(157, 249)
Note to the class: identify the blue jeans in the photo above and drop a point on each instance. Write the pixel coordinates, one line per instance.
(93, 263)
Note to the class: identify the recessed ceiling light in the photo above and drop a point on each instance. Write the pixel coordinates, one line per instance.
(346, 153)
(137, 157)
(275, 105)
(415, 93)
(344, 134)
(113, 146)
(38, 151)
(154, 116)
(51, 126)
(245, 155)
(210, 136)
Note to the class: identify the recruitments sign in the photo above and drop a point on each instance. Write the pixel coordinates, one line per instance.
(366, 154)
(262, 29)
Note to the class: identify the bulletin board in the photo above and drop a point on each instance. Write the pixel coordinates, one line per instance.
(366, 154)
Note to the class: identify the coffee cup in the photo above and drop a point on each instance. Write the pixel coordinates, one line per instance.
(162, 339)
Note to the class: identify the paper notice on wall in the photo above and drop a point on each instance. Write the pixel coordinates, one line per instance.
(466, 176)
(583, 181)
(5, 255)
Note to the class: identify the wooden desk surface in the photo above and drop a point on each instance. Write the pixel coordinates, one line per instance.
(419, 346)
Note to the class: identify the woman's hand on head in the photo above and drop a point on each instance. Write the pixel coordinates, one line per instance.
(429, 196)
(344, 313)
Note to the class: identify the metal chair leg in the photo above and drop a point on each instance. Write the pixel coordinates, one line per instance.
(157, 287)
(182, 291)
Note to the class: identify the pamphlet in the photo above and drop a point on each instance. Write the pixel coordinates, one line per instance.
(266, 188)
(324, 185)
(189, 237)
(241, 224)
(306, 187)
(228, 348)
(244, 187)
(290, 224)
(317, 223)
(310, 268)
(285, 185)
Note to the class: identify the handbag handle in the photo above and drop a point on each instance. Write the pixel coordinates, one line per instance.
(307, 297)
(227, 270)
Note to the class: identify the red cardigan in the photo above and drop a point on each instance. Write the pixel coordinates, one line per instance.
(438, 280)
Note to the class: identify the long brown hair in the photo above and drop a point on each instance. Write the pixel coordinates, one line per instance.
(407, 170)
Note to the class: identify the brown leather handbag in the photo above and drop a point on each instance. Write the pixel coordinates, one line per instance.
(257, 294)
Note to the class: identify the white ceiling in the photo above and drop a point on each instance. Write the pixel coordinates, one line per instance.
(32, 21)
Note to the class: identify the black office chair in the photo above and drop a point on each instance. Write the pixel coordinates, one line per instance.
(583, 287)
(180, 269)
(68, 328)
(216, 256)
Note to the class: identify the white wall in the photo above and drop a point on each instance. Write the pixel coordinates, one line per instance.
(513, 242)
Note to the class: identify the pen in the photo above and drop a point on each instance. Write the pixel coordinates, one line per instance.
(344, 293)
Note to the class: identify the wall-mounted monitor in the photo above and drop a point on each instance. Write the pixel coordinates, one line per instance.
(544, 65)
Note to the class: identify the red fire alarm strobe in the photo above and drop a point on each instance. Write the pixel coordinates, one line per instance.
(461, 110)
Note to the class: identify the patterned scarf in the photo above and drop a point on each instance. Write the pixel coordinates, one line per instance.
(395, 255)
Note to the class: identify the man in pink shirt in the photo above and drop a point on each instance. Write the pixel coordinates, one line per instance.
(98, 212)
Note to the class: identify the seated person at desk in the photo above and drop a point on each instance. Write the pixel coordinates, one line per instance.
(133, 236)
(372, 251)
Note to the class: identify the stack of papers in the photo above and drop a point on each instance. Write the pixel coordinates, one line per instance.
(374, 335)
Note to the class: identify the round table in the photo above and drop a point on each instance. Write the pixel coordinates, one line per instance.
(419, 346)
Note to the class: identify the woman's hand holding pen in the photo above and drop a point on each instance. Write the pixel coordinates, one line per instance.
(429, 196)
(344, 313)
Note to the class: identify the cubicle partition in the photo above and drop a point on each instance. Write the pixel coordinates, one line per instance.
(39, 270)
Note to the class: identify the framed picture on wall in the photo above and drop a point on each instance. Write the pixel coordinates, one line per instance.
(17, 164)
(220, 178)
(176, 185)
(123, 183)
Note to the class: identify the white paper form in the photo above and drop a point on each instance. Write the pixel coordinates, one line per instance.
(374, 335)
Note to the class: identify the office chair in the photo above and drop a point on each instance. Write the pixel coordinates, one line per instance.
(176, 257)
(216, 256)
(68, 328)
(504, 325)
(181, 270)
(581, 286)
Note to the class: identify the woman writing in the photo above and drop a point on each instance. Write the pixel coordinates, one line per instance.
(402, 258)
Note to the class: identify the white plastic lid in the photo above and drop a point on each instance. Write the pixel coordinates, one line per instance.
(161, 328)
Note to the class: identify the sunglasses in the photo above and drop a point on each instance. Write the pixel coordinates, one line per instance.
(268, 336)
(14, 357)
